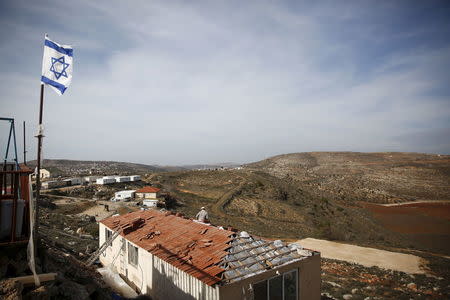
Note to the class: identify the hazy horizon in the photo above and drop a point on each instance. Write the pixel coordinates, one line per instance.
(176, 83)
(224, 163)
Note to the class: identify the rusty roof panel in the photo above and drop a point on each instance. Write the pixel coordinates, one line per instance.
(176, 240)
(148, 189)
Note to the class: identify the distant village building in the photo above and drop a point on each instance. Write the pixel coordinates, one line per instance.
(106, 180)
(122, 178)
(44, 174)
(52, 184)
(116, 178)
(148, 192)
(90, 179)
(124, 195)
(72, 181)
(170, 257)
(135, 177)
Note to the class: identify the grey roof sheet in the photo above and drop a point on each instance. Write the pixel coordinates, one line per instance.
(249, 256)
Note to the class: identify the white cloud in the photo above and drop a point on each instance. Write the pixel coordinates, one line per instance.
(214, 83)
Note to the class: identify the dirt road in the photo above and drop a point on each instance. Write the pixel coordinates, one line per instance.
(368, 257)
(99, 212)
(410, 203)
(66, 197)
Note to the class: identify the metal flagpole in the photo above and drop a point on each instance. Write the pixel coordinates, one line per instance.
(38, 174)
(24, 146)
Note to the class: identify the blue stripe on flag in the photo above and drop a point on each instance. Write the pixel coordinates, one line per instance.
(66, 51)
(57, 85)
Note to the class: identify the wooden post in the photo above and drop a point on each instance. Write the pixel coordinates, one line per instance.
(38, 175)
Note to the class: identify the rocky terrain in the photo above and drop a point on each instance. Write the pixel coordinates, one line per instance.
(342, 280)
(373, 177)
(73, 281)
(317, 195)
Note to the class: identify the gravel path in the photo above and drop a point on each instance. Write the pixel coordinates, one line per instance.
(368, 257)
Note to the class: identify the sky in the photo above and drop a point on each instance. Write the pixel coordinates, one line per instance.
(187, 82)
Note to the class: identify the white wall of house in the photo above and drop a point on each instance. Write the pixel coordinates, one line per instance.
(152, 275)
(124, 194)
(43, 174)
(147, 195)
(150, 202)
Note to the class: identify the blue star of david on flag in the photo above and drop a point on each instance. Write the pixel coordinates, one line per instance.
(57, 64)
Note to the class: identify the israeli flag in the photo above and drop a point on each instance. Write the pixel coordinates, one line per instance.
(57, 65)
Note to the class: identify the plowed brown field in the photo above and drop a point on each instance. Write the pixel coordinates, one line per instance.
(427, 223)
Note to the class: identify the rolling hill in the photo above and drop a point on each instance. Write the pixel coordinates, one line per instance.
(373, 177)
(317, 195)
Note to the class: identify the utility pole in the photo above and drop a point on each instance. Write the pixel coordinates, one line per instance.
(24, 145)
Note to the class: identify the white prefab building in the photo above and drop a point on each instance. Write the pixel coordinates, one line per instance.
(135, 177)
(90, 179)
(52, 184)
(106, 180)
(167, 256)
(122, 195)
(72, 181)
(123, 178)
(150, 202)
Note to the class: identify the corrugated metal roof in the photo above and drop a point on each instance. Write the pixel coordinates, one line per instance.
(208, 253)
(250, 255)
(179, 241)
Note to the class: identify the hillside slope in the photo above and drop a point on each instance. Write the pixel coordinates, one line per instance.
(316, 195)
(372, 177)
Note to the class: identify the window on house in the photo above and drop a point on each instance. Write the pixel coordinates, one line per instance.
(132, 255)
(276, 288)
(290, 285)
(108, 234)
(282, 287)
(260, 290)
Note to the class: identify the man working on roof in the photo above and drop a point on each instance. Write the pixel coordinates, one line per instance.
(202, 215)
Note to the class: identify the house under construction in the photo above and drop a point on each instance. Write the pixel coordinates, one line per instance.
(168, 256)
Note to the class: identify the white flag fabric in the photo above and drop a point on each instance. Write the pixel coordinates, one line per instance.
(57, 65)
